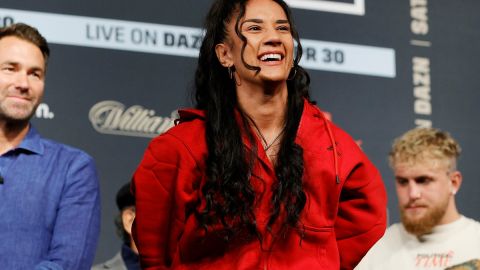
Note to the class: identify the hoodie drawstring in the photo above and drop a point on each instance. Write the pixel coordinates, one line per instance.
(334, 146)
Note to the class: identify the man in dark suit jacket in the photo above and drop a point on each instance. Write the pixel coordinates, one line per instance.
(127, 257)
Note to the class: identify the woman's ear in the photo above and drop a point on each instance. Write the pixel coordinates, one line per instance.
(224, 54)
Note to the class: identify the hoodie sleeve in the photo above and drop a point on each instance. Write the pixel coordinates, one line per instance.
(361, 219)
(163, 186)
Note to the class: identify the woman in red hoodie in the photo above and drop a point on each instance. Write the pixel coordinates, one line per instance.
(255, 177)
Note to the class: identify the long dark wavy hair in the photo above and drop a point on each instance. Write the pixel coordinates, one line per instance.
(228, 196)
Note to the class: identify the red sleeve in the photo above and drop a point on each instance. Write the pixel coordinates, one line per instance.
(362, 217)
(162, 185)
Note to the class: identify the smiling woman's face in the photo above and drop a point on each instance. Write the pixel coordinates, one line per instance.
(269, 43)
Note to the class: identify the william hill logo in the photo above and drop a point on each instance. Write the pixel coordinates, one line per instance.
(111, 117)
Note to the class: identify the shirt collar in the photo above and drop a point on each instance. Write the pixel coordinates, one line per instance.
(131, 259)
(32, 142)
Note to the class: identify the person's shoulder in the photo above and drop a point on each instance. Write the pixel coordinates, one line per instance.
(317, 131)
(383, 250)
(115, 263)
(189, 127)
(392, 240)
(472, 224)
(394, 231)
(190, 118)
(348, 148)
(322, 118)
(186, 138)
(343, 137)
(470, 220)
(53, 147)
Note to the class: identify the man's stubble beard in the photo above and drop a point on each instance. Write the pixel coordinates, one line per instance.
(14, 120)
(424, 225)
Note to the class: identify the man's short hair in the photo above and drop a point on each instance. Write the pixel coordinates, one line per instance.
(27, 33)
(124, 200)
(420, 144)
(124, 197)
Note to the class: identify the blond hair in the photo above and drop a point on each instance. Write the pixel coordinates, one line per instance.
(422, 144)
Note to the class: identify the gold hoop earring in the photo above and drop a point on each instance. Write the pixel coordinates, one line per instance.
(231, 70)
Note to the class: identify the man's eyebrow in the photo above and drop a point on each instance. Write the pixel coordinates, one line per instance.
(422, 178)
(13, 63)
(38, 69)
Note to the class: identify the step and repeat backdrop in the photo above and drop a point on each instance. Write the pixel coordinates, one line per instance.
(119, 71)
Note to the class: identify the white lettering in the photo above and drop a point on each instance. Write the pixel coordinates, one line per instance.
(419, 15)
(423, 107)
(421, 88)
(423, 123)
(111, 117)
(348, 58)
(43, 111)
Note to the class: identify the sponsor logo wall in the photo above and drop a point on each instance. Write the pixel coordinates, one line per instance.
(111, 117)
(119, 72)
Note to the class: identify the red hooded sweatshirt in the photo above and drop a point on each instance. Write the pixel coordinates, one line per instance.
(344, 214)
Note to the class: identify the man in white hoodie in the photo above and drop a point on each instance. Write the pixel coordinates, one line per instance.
(433, 234)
